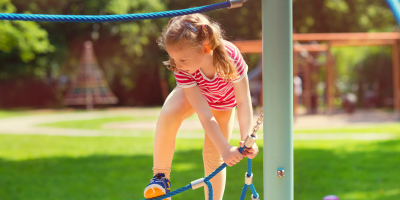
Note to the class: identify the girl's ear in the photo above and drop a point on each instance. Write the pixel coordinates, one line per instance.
(207, 49)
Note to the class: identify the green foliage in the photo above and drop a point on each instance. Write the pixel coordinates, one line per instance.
(321, 16)
(19, 39)
(127, 51)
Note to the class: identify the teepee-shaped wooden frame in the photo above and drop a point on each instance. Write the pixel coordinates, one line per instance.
(89, 87)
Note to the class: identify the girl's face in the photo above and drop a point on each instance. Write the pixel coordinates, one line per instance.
(187, 59)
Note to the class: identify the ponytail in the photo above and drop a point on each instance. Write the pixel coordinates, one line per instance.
(176, 32)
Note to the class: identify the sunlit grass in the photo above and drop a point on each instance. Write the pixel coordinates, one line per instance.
(57, 167)
(372, 128)
(95, 124)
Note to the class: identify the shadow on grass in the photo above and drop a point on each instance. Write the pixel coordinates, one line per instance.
(109, 177)
(358, 174)
(369, 171)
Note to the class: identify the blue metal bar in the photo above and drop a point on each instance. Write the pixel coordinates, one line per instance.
(278, 98)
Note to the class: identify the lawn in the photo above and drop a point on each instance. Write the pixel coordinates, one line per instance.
(73, 168)
(46, 167)
(56, 167)
(96, 124)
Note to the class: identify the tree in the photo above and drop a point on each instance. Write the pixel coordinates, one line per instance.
(20, 42)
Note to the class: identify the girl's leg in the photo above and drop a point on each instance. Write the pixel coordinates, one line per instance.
(175, 109)
(211, 156)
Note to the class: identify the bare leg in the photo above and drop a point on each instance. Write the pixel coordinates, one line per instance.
(212, 157)
(175, 109)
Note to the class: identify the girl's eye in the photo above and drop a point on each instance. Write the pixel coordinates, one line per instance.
(183, 60)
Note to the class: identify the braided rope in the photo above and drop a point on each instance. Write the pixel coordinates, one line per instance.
(249, 166)
(206, 180)
(244, 190)
(210, 190)
(220, 168)
(253, 190)
(112, 18)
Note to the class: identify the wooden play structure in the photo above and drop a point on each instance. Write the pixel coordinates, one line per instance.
(333, 40)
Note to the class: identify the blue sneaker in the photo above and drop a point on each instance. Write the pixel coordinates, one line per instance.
(158, 186)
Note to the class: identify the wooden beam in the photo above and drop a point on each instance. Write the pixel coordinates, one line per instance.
(396, 82)
(255, 46)
(353, 39)
(307, 86)
(329, 87)
(310, 47)
(345, 36)
(250, 46)
(294, 75)
(340, 43)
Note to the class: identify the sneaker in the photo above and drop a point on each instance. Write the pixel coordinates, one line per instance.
(158, 186)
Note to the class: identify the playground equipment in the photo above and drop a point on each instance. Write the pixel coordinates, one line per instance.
(116, 18)
(90, 87)
(335, 40)
(277, 45)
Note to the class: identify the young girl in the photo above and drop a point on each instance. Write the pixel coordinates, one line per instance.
(212, 80)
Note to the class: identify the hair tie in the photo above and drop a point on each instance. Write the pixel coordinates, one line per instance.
(194, 29)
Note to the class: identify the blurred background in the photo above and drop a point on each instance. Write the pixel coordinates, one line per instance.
(104, 84)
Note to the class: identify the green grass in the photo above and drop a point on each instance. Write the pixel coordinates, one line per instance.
(28, 112)
(95, 124)
(45, 167)
(6, 113)
(73, 168)
(349, 169)
(374, 128)
(51, 167)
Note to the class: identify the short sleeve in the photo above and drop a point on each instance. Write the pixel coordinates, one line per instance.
(184, 79)
(241, 65)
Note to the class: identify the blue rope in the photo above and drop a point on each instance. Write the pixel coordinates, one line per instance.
(210, 190)
(112, 18)
(249, 166)
(253, 190)
(220, 168)
(215, 172)
(244, 190)
(206, 180)
(394, 5)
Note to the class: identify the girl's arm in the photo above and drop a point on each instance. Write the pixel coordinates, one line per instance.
(230, 154)
(244, 107)
(245, 113)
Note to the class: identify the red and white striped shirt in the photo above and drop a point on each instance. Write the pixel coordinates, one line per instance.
(218, 93)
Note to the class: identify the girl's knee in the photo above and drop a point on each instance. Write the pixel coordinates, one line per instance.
(211, 162)
(171, 114)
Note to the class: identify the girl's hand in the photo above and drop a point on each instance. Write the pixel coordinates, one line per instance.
(231, 155)
(249, 152)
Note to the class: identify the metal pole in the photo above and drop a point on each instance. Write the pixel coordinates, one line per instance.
(278, 98)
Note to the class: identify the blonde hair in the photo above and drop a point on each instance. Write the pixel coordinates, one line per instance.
(178, 33)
